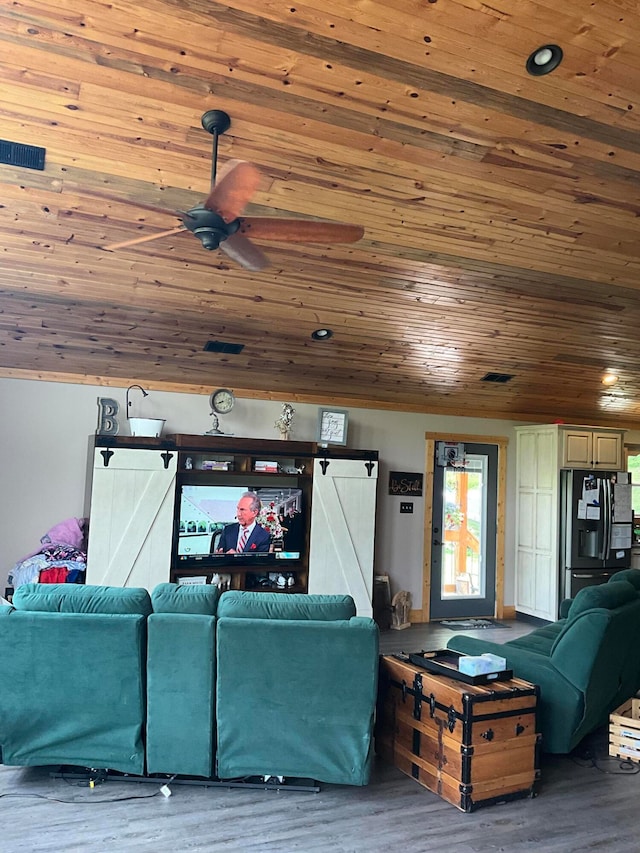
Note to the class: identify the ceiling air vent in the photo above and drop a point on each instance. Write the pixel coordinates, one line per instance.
(497, 377)
(223, 346)
(17, 154)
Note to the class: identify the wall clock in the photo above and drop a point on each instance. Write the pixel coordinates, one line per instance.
(222, 401)
(332, 426)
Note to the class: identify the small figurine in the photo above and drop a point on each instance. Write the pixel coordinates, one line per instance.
(188, 463)
(284, 424)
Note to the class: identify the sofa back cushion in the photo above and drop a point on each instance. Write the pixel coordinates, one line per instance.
(75, 693)
(296, 698)
(199, 599)
(275, 605)
(79, 598)
(630, 575)
(608, 596)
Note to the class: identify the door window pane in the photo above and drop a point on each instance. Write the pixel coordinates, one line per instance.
(464, 529)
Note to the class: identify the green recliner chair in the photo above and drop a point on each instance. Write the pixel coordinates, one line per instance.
(73, 660)
(586, 664)
(296, 687)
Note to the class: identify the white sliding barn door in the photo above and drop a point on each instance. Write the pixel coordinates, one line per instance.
(131, 518)
(343, 517)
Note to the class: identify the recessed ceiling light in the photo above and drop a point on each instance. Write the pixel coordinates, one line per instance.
(322, 334)
(610, 379)
(544, 59)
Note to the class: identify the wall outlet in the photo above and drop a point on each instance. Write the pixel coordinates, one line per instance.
(406, 506)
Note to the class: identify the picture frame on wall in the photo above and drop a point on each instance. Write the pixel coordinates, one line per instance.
(332, 426)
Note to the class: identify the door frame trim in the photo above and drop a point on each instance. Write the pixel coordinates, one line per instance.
(502, 443)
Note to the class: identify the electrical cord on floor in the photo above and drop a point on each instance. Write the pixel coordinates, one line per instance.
(590, 754)
(82, 802)
(100, 778)
(625, 767)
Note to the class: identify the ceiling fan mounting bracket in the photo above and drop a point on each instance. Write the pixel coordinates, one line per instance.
(216, 122)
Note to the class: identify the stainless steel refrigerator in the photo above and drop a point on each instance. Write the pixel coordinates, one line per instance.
(595, 527)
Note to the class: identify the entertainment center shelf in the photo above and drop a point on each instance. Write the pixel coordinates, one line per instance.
(257, 457)
(155, 513)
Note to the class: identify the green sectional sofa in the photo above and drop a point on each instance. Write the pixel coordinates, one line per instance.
(189, 683)
(586, 664)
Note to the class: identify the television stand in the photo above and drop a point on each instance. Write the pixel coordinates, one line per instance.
(133, 503)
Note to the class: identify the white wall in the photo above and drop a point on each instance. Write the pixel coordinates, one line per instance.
(44, 436)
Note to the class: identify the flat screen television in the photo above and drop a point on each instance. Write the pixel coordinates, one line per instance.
(204, 510)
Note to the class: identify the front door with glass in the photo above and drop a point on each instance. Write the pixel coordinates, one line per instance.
(463, 549)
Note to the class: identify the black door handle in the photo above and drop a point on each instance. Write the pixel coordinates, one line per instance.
(437, 542)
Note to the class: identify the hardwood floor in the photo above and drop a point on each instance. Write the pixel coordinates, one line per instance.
(585, 802)
(435, 636)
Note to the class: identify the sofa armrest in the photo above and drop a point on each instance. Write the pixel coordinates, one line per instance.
(565, 606)
(561, 704)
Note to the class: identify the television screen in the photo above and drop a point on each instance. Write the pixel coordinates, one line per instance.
(209, 529)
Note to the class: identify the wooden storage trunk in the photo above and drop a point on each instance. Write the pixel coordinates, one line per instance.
(624, 731)
(474, 745)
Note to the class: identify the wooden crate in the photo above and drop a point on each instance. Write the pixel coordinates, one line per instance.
(624, 731)
(474, 745)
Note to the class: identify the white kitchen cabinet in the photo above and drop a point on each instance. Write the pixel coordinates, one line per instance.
(537, 515)
(343, 511)
(542, 452)
(586, 447)
(131, 516)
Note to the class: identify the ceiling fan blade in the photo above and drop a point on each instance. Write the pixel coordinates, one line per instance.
(300, 230)
(236, 183)
(244, 252)
(146, 239)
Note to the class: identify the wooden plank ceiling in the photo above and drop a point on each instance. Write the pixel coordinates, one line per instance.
(501, 210)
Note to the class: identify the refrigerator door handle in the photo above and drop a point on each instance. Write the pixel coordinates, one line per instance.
(603, 520)
(607, 511)
(591, 575)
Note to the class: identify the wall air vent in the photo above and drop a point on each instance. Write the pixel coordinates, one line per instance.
(223, 346)
(497, 377)
(17, 154)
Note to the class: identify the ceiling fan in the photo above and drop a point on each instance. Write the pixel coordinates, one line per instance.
(217, 221)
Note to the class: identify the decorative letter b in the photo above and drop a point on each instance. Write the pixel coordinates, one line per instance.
(107, 420)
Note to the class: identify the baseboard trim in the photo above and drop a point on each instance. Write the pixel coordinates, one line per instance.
(532, 620)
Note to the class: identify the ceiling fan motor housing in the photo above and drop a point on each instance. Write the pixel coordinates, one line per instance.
(209, 227)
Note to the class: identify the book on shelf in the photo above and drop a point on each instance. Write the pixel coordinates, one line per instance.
(215, 465)
(263, 465)
(185, 580)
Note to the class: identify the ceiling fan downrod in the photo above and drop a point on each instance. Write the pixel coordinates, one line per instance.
(215, 122)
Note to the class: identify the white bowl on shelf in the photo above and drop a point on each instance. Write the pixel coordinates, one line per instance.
(148, 427)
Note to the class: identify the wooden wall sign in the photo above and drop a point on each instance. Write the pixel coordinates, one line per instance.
(405, 483)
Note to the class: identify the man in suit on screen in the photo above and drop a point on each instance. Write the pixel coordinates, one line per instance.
(245, 536)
